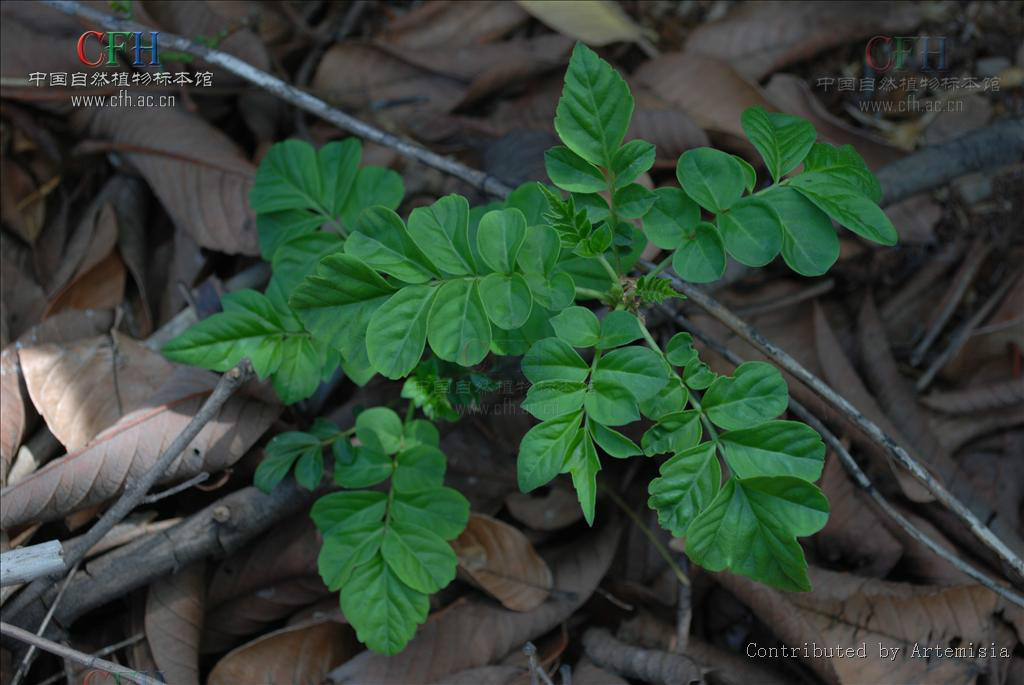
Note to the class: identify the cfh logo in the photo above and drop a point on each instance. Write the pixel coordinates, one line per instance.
(93, 46)
(884, 53)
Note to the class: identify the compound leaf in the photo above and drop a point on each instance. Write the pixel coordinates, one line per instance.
(281, 452)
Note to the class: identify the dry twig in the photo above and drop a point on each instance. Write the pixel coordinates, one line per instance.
(649, 665)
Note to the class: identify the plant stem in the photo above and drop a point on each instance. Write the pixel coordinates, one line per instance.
(661, 266)
(649, 534)
(609, 269)
(591, 294)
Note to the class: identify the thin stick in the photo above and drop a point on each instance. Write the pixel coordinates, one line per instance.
(26, 661)
(76, 550)
(859, 477)
(76, 656)
(646, 530)
(295, 96)
(537, 674)
(194, 480)
(137, 637)
(1008, 133)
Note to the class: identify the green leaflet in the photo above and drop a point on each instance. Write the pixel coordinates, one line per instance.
(701, 258)
(506, 299)
(373, 186)
(543, 450)
(688, 483)
(418, 469)
(458, 329)
(379, 429)
(583, 465)
(714, 179)
(441, 231)
(554, 359)
(672, 219)
(751, 231)
(618, 328)
(755, 393)
(335, 302)
(846, 206)
(297, 258)
(610, 403)
(500, 237)
(775, 448)
(673, 433)
(442, 510)
(751, 528)
(397, 331)
(383, 610)
(680, 350)
(810, 245)
(282, 452)
(638, 369)
(418, 557)
(381, 241)
(613, 442)
(577, 326)
(633, 201)
(553, 398)
(782, 139)
(595, 108)
(630, 161)
(844, 165)
(569, 171)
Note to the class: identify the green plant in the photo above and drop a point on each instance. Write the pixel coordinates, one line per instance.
(354, 285)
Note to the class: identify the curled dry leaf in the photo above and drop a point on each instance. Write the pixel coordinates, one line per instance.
(975, 399)
(758, 38)
(22, 302)
(557, 508)
(499, 559)
(100, 287)
(230, 623)
(123, 452)
(296, 654)
(174, 623)
(847, 610)
(200, 175)
(595, 22)
(83, 387)
(289, 551)
(475, 632)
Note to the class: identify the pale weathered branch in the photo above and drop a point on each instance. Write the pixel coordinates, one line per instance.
(28, 563)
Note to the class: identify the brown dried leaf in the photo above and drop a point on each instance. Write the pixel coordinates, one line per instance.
(555, 509)
(974, 399)
(83, 387)
(123, 452)
(297, 654)
(491, 675)
(174, 622)
(595, 22)
(200, 175)
(101, 287)
(848, 610)
(706, 89)
(586, 673)
(476, 632)
(288, 551)
(448, 23)
(839, 373)
(22, 302)
(760, 37)
(499, 559)
(230, 623)
(854, 537)
(12, 418)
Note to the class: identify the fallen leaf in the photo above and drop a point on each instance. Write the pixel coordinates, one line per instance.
(22, 302)
(586, 673)
(24, 198)
(854, 537)
(174, 623)
(849, 611)
(915, 219)
(760, 37)
(83, 387)
(839, 373)
(595, 22)
(557, 508)
(101, 287)
(475, 632)
(499, 559)
(123, 452)
(198, 173)
(976, 398)
(12, 418)
(297, 654)
(454, 23)
(704, 88)
(288, 551)
(491, 675)
(232, 621)
(93, 238)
